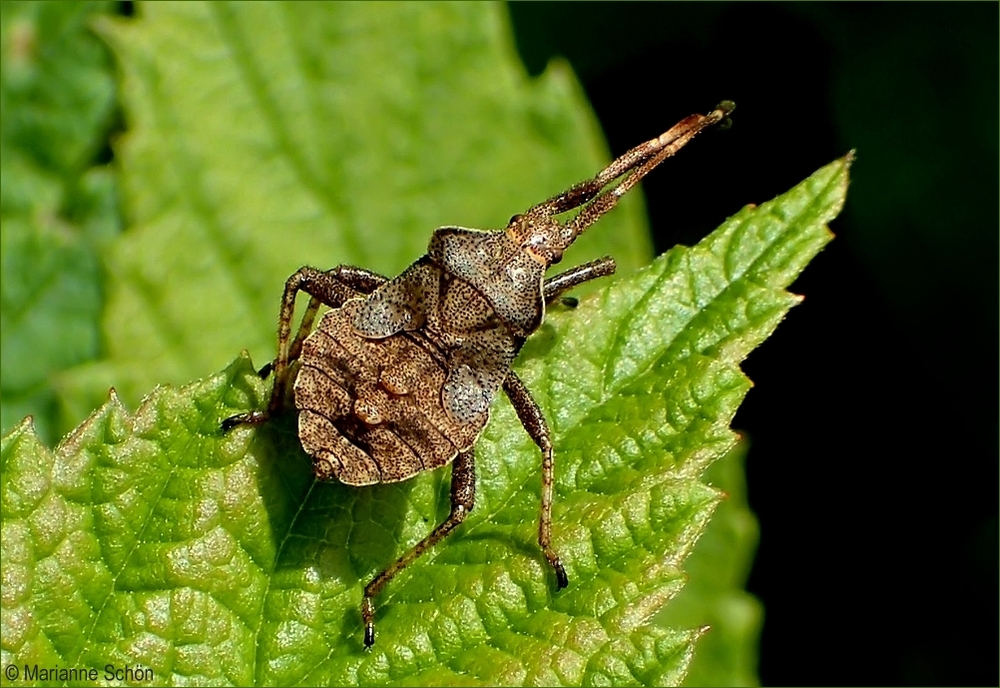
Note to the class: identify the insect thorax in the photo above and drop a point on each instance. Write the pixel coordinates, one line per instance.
(509, 278)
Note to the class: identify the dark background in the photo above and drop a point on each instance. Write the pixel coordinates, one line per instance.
(873, 465)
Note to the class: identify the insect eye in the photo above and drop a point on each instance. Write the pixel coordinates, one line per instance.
(514, 219)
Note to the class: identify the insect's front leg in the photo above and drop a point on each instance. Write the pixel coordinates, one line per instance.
(534, 423)
(331, 288)
(558, 285)
(463, 499)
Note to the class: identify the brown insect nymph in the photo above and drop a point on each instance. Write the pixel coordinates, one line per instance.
(399, 376)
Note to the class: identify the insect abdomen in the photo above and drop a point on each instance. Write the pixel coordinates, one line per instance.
(370, 409)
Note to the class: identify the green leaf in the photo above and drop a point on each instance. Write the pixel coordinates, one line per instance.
(154, 539)
(263, 137)
(718, 569)
(56, 94)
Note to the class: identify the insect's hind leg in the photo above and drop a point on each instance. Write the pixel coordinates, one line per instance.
(331, 288)
(558, 285)
(463, 499)
(361, 281)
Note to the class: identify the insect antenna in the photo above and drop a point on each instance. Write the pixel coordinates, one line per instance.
(639, 161)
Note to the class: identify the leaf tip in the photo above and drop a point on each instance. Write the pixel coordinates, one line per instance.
(109, 422)
(845, 179)
(26, 428)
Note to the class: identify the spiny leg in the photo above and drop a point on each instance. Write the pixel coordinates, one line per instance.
(534, 422)
(463, 498)
(305, 327)
(558, 285)
(331, 288)
(360, 280)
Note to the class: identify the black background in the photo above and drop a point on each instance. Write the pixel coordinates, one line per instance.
(873, 466)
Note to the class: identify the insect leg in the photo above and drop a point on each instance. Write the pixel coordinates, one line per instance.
(463, 498)
(534, 423)
(362, 281)
(558, 285)
(331, 288)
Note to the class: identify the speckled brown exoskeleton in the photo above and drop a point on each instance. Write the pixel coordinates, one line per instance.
(400, 374)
